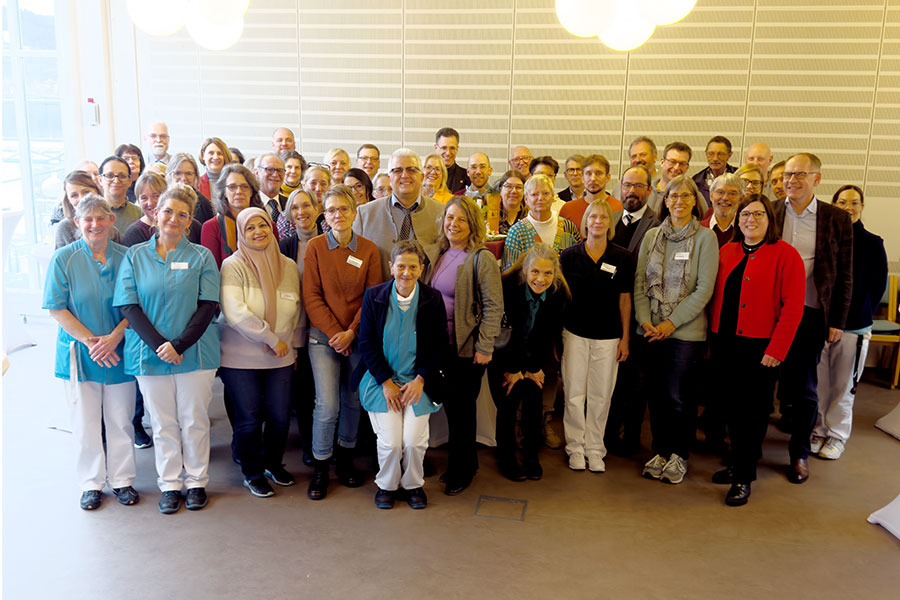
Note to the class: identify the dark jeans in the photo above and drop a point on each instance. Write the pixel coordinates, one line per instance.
(261, 399)
(527, 394)
(629, 399)
(671, 367)
(715, 405)
(462, 380)
(797, 387)
(303, 397)
(745, 388)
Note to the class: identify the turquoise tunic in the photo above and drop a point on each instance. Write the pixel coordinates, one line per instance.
(77, 282)
(168, 291)
(399, 347)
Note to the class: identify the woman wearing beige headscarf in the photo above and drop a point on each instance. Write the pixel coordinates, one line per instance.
(260, 307)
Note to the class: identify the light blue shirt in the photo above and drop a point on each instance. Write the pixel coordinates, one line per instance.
(168, 291)
(800, 232)
(78, 283)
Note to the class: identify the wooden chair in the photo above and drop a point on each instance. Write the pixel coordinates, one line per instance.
(887, 331)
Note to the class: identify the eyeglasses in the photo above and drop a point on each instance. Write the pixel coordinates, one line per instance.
(411, 171)
(756, 214)
(751, 183)
(634, 186)
(358, 187)
(272, 170)
(233, 187)
(158, 136)
(845, 204)
(678, 163)
(799, 175)
(183, 174)
(368, 158)
(676, 197)
(512, 188)
(727, 194)
(573, 171)
(115, 177)
(344, 210)
(522, 159)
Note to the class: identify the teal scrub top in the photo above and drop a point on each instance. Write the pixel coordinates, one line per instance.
(77, 282)
(168, 290)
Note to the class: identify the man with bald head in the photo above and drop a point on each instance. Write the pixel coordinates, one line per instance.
(157, 142)
(283, 139)
(520, 159)
(759, 154)
(479, 171)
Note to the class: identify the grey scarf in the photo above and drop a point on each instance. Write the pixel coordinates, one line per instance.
(666, 283)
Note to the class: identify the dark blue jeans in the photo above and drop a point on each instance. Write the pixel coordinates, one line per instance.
(262, 415)
(671, 371)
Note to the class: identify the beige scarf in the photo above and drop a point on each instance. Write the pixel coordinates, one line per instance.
(266, 263)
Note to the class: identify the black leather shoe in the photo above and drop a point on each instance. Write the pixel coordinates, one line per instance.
(511, 469)
(318, 485)
(455, 487)
(738, 495)
(345, 470)
(726, 475)
(533, 469)
(384, 499)
(308, 459)
(798, 471)
(196, 498)
(416, 498)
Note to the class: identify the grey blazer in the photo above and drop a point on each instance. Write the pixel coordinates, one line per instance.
(374, 222)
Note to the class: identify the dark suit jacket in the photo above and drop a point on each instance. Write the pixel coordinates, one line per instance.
(566, 195)
(833, 266)
(645, 224)
(457, 178)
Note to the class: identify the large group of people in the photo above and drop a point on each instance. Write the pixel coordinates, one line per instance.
(317, 291)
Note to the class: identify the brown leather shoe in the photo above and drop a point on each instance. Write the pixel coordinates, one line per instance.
(798, 471)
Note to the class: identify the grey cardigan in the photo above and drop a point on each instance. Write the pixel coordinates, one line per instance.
(491, 304)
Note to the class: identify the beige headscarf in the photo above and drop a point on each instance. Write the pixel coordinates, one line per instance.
(266, 263)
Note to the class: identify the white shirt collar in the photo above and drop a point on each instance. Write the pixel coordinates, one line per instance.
(636, 215)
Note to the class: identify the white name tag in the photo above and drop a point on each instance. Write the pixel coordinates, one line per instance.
(179, 266)
(608, 268)
(288, 296)
(682, 256)
(356, 262)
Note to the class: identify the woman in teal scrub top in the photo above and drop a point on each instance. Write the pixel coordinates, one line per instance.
(168, 288)
(79, 295)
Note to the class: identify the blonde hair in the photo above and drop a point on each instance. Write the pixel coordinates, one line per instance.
(477, 229)
(604, 205)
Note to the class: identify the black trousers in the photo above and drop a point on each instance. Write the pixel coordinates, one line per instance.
(673, 406)
(745, 389)
(303, 397)
(529, 396)
(797, 386)
(462, 378)
(629, 399)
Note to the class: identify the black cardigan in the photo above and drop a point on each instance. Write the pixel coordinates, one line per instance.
(531, 352)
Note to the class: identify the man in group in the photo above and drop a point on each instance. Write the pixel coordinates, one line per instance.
(626, 412)
(283, 139)
(404, 215)
(270, 174)
(381, 185)
(157, 141)
(594, 176)
(776, 182)
(676, 161)
(573, 176)
(479, 172)
(446, 143)
(823, 235)
(642, 151)
(718, 151)
(520, 160)
(368, 158)
(759, 154)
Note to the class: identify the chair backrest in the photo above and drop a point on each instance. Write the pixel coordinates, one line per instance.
(891, 302)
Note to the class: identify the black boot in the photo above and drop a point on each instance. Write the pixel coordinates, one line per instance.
(318, 486)
(346, 472)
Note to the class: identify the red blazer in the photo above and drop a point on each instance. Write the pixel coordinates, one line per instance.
(772, 294)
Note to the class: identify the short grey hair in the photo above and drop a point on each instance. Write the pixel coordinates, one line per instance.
(728, 179)
(90, 204)
(406, 153)
(536, 180)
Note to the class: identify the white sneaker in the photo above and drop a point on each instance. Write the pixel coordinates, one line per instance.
(653, 468)
(815, 444)
(832, 449)
(596, 464)
(576, 461)
(675, 470)
(551, 439)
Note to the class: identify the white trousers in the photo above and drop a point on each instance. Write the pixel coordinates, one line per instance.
(90, 405)
(589, 371)
(835, 415)
(179, 414)
(402, 441)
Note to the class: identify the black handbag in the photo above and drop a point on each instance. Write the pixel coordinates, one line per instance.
(502, 339)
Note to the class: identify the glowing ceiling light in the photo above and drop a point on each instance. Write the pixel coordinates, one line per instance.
(584, 18)
(160, 17)
(665, 12)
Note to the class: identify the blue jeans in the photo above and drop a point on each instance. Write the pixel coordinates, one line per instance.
(673, 406)
(262, 415)
(335, 396)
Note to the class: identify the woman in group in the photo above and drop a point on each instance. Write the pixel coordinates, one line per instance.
(434, 184)
(674, 280)
(337, 269)
(214, 155)
(512, 200)
(260, 300)
(76, 185)
(148, 188)
(467, 277)
(600, 275)
(303, 211)
(78, 293)
(540, 225)
(294, 167)
(359, 183)
(115, 179)
(338, 161)
(238, 191)
(843, 361)
(753, 179)
(317, 179)
(182, 168)
(132, 156)
(534, 296)
(754, 314)
(402, 339)
(168, 289)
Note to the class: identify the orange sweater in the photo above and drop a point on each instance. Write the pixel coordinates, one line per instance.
(334, 281)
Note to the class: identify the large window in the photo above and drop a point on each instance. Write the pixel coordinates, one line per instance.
(32, 145)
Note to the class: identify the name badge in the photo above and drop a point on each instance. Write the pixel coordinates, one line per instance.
(356, 262)
(682, 256)
(291, 297)
(179, 266)
(611, 269)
